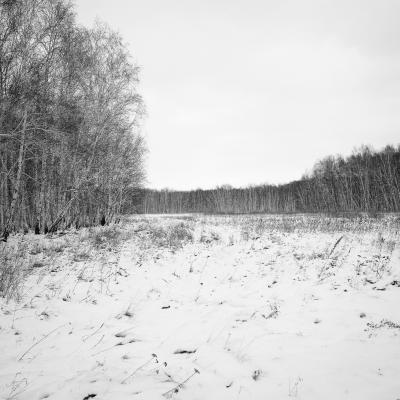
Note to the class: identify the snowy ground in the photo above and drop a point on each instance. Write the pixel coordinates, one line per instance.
(248, 308)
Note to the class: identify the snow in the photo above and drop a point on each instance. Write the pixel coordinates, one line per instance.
(245, 310)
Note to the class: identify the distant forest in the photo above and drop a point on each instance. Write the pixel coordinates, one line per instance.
(366, 181)
(70, 149)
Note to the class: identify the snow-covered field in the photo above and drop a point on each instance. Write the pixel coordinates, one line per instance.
(205, 307)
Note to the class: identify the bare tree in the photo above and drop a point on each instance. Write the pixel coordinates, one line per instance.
(70, 143)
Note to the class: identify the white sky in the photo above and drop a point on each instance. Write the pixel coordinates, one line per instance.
(252, 91)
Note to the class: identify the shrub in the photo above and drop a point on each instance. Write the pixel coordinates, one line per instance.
(210, 237)
(172, 236)
(179, 235)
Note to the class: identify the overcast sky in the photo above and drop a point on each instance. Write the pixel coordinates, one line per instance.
(255, 91)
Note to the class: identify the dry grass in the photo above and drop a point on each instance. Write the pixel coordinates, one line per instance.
(39, 254)
(256, 225)
(24, 255)
(14, 265)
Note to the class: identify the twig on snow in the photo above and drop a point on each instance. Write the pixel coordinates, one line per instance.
(153, 356)
(84, 338)
(41, 340)
(98, 342)
(175, 389)
(335, 245)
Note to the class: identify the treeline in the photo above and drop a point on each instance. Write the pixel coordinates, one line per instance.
(70, 149)
(366, 181)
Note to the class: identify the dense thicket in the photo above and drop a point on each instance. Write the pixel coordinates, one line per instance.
(365, 181)
(70, 151)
